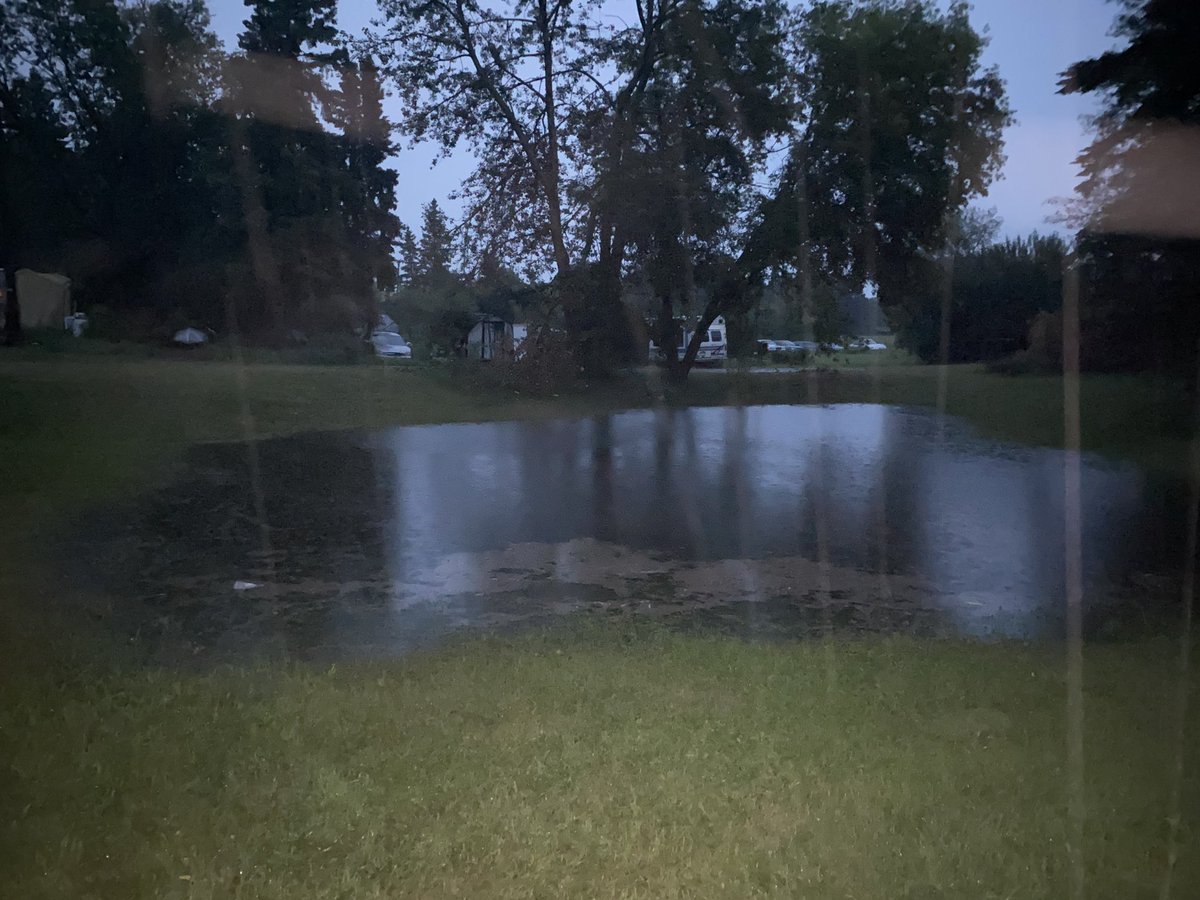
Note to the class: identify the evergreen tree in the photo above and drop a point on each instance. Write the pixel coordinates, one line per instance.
(1139, 243)
(369, 192)
(406, 243)
(434, 251)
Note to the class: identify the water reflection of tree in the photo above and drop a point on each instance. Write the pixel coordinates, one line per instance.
(604, 519)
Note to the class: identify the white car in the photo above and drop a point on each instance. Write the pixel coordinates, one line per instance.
(867, 344)
(389, 345)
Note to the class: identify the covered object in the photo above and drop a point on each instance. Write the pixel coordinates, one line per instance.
(190, 337)
(45, 298)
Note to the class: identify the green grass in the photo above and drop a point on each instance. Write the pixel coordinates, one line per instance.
(71, 418)
(601, 765)
(872, 358)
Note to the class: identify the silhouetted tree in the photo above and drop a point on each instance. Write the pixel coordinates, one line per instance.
(435, 248)
(106, 147)
(170, 180)
(903, 127)
(996, 293)
(1136, 208)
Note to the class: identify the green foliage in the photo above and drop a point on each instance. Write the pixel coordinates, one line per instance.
(1138, 244)
(547, 368)
(608, 150)
(288, 27)
(105, 137)
(1144, 79)
(435, 318)
(163, 176)
(997, 293)
(1138, 309)
(1043, 355)
(710, 106)
(434, 251)
(781, 314)
(598, 146)
(904, 128)
(406, 244)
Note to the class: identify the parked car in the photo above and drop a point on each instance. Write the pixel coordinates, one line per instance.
(831, 347)
(767, 346)
(390, 345)
(189, 337)
(866, 344)
(810, 346)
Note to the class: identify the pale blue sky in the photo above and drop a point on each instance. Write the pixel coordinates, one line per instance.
(1032, 41)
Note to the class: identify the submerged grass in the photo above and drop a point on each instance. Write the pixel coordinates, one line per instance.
(600, 764)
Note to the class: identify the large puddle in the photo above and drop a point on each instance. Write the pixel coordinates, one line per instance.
(766, 521)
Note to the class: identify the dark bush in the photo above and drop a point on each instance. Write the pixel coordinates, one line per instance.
(544, 363)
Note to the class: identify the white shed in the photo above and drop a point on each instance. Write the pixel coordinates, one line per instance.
(493, 338)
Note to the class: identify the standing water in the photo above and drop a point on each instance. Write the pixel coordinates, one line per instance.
(780, 521)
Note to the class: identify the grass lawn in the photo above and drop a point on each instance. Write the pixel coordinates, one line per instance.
(603, 764)
(600, 762)
(80, 426)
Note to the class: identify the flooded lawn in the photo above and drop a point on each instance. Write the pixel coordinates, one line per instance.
(777, 521)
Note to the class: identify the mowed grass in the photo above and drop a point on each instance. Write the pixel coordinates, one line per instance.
(604, 764)
(74, 424)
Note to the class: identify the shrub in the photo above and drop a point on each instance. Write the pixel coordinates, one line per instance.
(544, 364)
(1043, 356)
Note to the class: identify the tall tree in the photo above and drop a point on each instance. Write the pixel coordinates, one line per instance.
(1134, 179)
(435, 248)
(1138, 241)
(717, 96)
(543, 92)
(581, 127)
(434, 302)
(504, 81)
(902, 127)
(368, 193)
(406, 243)
(156, 172)
(104, 136)
(296, 268)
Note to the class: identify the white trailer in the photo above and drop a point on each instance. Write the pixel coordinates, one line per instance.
(714, 346)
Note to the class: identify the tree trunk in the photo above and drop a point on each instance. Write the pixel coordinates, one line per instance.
(668, 339)
(951, 230)
(693, 347)
(554, 203)
(867, 183)
(803, 230)
(258, 238)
